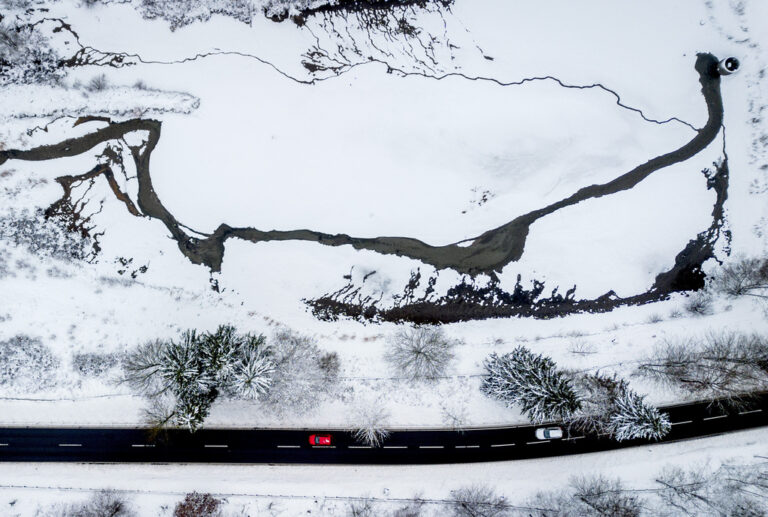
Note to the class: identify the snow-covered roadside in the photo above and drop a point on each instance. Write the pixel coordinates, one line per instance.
(96, 309)
(328, 489)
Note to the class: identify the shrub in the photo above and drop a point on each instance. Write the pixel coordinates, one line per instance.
(330, 365)
(105, 503)
(655, 318)
(94, 364)
(361, 508)
(41, 236)
(98, 83)
(420, 353)
(26, 56)
(478, 501)
(699, 304)
(743, 277)
(198, 505)
(25, 362)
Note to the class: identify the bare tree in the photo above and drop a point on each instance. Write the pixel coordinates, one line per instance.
(590, 496)
(361, 508)
(413, 508)
(369, 425)
(743, 277)
(478, 501)
(420, 353)
(301, 372)
(731, 490)
(719, 365)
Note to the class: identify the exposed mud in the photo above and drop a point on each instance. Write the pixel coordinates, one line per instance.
(354, 6)
(469, 300)
(487, 253)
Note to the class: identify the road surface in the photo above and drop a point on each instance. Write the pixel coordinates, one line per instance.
(401, 447)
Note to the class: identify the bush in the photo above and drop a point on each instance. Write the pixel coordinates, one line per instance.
(699, 304)
(330, 365)
(531, 381)
(98, 83)
(362, 508)
(94, 364)
(744, 277)
(25, 362)
(26, 56)
(105, 503)
(41, 236)
(478, 501)
(420, 353)
(198, 505)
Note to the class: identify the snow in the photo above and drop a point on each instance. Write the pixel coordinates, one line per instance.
(328, 489)
(41, 101)
(373, 153)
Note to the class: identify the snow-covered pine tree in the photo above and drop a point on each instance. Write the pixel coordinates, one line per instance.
(252, 375)
(219, 353)
(192, 409)
(632, 418)
(531, 381)
(180, 367)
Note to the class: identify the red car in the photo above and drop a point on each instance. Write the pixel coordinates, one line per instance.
(320, 439)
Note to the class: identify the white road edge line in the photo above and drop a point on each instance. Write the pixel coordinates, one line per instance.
(681, 423)
(70, 445)
(715, 417)
(750, 412)
(289, 446)
(503, 445)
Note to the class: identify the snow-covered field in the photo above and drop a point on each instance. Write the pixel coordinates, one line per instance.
(344, 129)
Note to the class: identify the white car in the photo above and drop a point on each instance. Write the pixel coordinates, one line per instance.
(549, 433)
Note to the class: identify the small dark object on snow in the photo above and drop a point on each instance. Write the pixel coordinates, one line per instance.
(728, 66)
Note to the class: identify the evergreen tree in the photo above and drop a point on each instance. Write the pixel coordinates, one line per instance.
(633, 418)
(531, 381)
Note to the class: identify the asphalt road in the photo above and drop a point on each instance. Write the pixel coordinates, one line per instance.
(292, 446)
